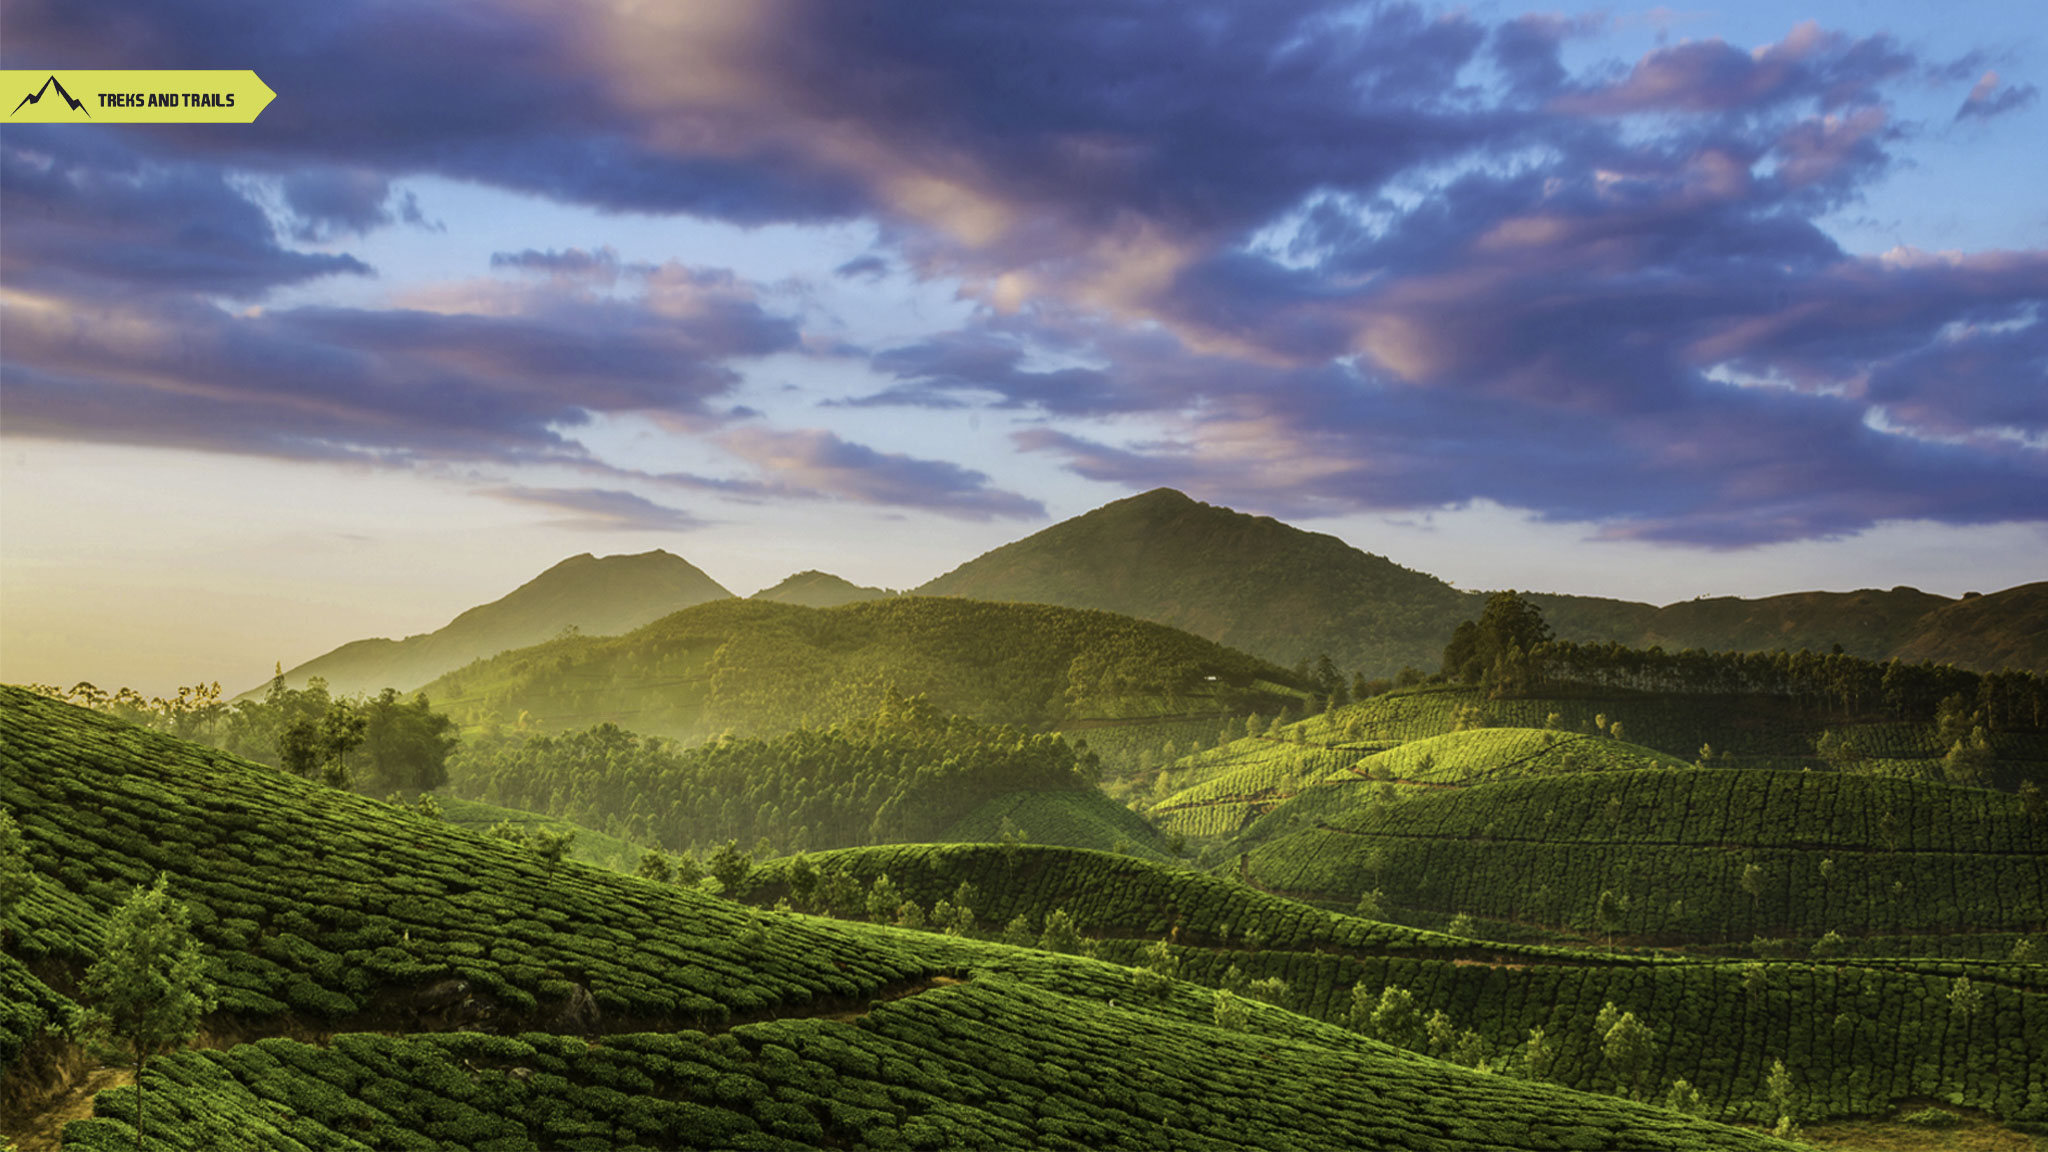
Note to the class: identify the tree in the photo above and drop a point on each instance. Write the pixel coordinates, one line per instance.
(1610, 912)
(1778, 1089)
(148, 989)
(654, 866)
(1229, 1011)
(1753, 883)
(405, 744)
(1536, 1056)
(1060, 933)
(1629, 1048)
(1964, 998)
(341, 732)
(298, 748)
(1154, 979)
(1969, 760)
(2030, 801)
(1683, 1097)
(1395, 1019)
(551, 846)
(884, 899)
(1507, 622)
(731, 868)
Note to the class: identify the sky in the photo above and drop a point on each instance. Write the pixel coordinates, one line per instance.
(1737, 298)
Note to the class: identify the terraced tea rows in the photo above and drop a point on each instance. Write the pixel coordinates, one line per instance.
(1720, 1024)
(993, 1063)
(1700, 856)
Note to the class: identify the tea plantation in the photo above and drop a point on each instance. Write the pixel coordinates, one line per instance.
(519, 1003)
(1693, 856)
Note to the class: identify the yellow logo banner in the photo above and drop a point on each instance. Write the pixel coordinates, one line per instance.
(86, 96)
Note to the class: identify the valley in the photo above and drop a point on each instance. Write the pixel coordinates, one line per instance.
(1024, 865)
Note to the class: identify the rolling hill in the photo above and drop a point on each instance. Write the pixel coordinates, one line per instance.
(756, 668)
(594, 596)
(814, 589)
(390, 981)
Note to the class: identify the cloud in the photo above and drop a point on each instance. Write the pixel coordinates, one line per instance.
(1378, 257)
(603, 509)
(869, 267)
(817, 463)
(327, 204)
(1988, 98)
(90, 215)
(492, 372)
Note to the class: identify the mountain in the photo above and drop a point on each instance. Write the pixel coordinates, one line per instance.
(1290, 595)
(1251, 582)
(591, 595)
(815, 589)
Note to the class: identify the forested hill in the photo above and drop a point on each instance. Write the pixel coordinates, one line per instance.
(1289, 595)
(815, 589)
(1251, 582)
(595, 596)
(755, 668)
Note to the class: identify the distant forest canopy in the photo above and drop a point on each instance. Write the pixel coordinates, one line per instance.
(757, 668)
(375, 743)
(903, 773)
(1510, 652)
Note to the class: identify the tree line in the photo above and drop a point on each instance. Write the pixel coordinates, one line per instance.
(375, 744)
(904, 772)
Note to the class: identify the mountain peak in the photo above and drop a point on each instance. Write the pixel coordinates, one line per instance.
(598, 596)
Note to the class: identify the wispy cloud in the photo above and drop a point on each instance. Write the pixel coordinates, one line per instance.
(603, 508)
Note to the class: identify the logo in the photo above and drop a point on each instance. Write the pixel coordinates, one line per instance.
(36, 97)
(136, 96)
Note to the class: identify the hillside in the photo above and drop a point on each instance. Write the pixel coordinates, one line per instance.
(1251, 582)
(390, 981)
(757, 668)
(2006, 629)
(1694, 856)
(814, 589)
(596, 597)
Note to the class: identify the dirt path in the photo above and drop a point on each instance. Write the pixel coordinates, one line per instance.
(41, 1131)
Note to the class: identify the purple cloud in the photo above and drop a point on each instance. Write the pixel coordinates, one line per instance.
(1988, 98)
(1328, 273)
(817, 464)
(603, 508)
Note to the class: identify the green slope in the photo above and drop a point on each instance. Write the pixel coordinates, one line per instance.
(323, 913)
(987, 1064)
(1905, 859)
(754, 667)
(1861, 1036)
(1066, 819)
(1234, 785)
(596, 596)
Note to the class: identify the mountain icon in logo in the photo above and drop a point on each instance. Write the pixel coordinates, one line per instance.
(36, 97)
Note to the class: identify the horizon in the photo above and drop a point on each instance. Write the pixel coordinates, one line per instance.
(1640, 303)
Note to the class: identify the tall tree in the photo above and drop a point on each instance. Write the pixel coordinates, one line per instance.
(148, 990)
